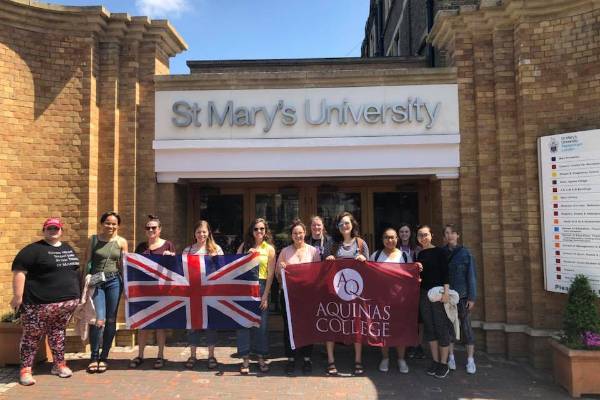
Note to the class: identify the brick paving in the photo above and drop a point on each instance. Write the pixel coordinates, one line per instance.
(496, 378)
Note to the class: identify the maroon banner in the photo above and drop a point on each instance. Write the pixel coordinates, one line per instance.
(352, 302)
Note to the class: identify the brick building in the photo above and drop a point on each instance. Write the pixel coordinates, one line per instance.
(89, 126)
(400, 28)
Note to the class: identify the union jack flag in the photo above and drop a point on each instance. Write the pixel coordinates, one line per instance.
(192, 291)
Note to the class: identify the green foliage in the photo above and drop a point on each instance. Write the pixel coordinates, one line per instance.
(581, 314)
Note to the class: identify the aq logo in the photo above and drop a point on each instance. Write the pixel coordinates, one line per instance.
(348, 284)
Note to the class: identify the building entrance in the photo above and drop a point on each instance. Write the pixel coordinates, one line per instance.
(231, 206)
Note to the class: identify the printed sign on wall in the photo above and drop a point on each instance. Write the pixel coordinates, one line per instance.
(570, 195)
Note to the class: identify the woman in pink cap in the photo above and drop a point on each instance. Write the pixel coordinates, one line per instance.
(46, 290)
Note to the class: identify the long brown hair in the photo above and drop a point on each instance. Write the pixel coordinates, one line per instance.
(249, 238)
(211, 245)
(337, 236)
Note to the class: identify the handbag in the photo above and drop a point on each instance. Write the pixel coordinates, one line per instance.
(97, 278)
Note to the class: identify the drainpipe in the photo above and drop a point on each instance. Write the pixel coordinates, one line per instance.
(430, 50)
(380, 50)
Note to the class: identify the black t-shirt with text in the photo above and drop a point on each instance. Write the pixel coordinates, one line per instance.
(52, 273)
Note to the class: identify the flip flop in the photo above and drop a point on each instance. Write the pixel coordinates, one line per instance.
(92, 368)
(102, 367)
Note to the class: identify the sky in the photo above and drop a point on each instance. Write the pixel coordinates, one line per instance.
(253, 29)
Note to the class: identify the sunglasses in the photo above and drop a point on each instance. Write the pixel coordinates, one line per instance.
(53, 228)
(259, 229)
(344, 223)
(151, 228)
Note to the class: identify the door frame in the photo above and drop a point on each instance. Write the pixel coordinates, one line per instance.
(308, 190)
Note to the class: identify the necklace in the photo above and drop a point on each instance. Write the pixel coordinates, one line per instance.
(299, 253)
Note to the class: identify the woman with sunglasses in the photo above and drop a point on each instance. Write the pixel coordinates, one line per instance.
(46, 290)
(347, 244)
(318, 237)
(204, 245)
(258, 239)
(105, 255)
(297, 253)
(153, 245)
(390, 253)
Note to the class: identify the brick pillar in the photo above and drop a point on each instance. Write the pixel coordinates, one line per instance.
(126, 143)
(470, 216)
(516, 280)
(109, 126)
(485, 114)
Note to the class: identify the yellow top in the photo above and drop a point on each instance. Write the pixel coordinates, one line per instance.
(263, 260)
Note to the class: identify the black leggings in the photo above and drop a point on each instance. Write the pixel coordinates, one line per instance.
(305, 351)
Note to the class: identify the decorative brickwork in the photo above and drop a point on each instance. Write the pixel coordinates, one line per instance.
(523, 71)
(76, 84)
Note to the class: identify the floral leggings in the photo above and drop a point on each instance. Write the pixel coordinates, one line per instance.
(45, 319)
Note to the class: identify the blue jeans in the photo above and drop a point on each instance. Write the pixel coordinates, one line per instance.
(194, 335)
(255, 339)
(106, 301)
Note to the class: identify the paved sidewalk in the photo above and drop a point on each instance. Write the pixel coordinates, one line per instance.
(495, 379)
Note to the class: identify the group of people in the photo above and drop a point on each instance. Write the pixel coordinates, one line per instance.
(48, 283)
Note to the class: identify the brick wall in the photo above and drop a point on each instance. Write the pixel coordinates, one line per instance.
(520, 77)
(69, 120)
(42, 167)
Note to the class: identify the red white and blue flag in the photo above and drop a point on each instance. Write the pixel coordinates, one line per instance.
(191, 291)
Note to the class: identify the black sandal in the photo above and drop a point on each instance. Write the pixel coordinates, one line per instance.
(307, 366)
(159, 363)
(290, 366)
(332, 370)
(359, 369)
(136, 362)
(189, 364)
(92, 367)
(263, 366)
(245, 369)
(102, 367)
(212, 363)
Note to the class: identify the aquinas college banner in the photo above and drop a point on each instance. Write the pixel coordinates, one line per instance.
(352, 302)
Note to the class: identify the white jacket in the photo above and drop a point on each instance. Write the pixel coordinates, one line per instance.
(85, 313)
(435, 294)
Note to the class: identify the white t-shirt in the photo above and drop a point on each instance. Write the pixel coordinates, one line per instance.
(202, 251)
(395, 257)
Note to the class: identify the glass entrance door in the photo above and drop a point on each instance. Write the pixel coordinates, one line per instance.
(230, 207)
(332, 201)
(224, 212)
(390, 209)
(279, 208)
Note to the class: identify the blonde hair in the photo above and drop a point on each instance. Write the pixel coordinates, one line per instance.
(211, 245)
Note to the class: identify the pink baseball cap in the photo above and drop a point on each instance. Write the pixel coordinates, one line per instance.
(52, 222)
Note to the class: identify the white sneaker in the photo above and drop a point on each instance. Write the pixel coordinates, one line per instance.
(62, 371)
(384, 365)
(402, 366)
(451, 364)
(471, 367)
